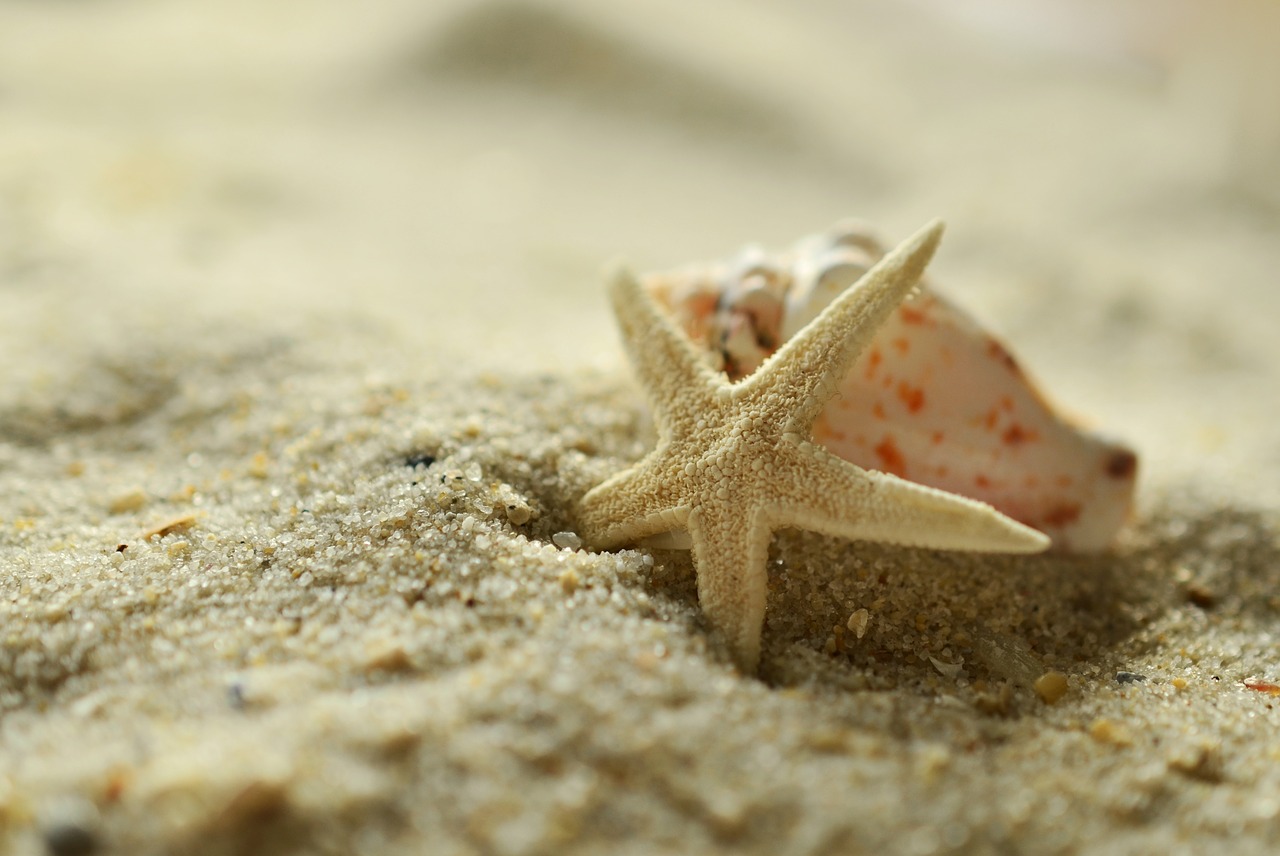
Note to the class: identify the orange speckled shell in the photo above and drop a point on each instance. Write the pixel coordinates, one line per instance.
(935, 398)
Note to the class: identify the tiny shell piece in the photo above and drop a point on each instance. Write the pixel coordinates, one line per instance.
(935, 399)
(181, 523)
(858, 622)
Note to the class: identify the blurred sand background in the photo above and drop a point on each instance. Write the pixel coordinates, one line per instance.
(312, 290)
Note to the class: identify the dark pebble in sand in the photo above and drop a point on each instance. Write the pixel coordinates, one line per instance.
(419, 460)
(70, 839)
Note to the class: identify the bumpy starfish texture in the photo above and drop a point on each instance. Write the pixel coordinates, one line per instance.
(734, 462)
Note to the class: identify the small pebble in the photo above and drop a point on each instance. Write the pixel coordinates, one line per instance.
(1202, 762)
(387, 656)
(1051, 686)
(66, 839)
(1258, 685)
(414, 461)
(995, 703)
(259, 466)
(1110, 731)
(181, 523)
(125, 502)
(569, 581)
(256, 803)
(70, 828)
(566, 541)
(858, 622)
(518, 512)
(1201, 596)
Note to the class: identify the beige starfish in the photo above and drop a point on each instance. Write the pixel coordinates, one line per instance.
(736, 461)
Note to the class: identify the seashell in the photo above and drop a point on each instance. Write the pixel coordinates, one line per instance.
(935, 399)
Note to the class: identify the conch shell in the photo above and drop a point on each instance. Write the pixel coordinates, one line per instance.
(935, 398)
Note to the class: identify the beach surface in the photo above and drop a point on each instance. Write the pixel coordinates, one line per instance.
(305, 361)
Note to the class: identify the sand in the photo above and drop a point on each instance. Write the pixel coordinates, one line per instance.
(306, 361)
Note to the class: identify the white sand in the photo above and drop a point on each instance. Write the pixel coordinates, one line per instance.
(255, 258)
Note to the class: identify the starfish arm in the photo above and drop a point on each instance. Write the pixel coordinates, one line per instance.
(730, 550)
(826, 494)
(628, 507)
(805, 373)
(678, 383)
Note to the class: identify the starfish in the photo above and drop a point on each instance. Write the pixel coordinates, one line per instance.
(735, 461)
